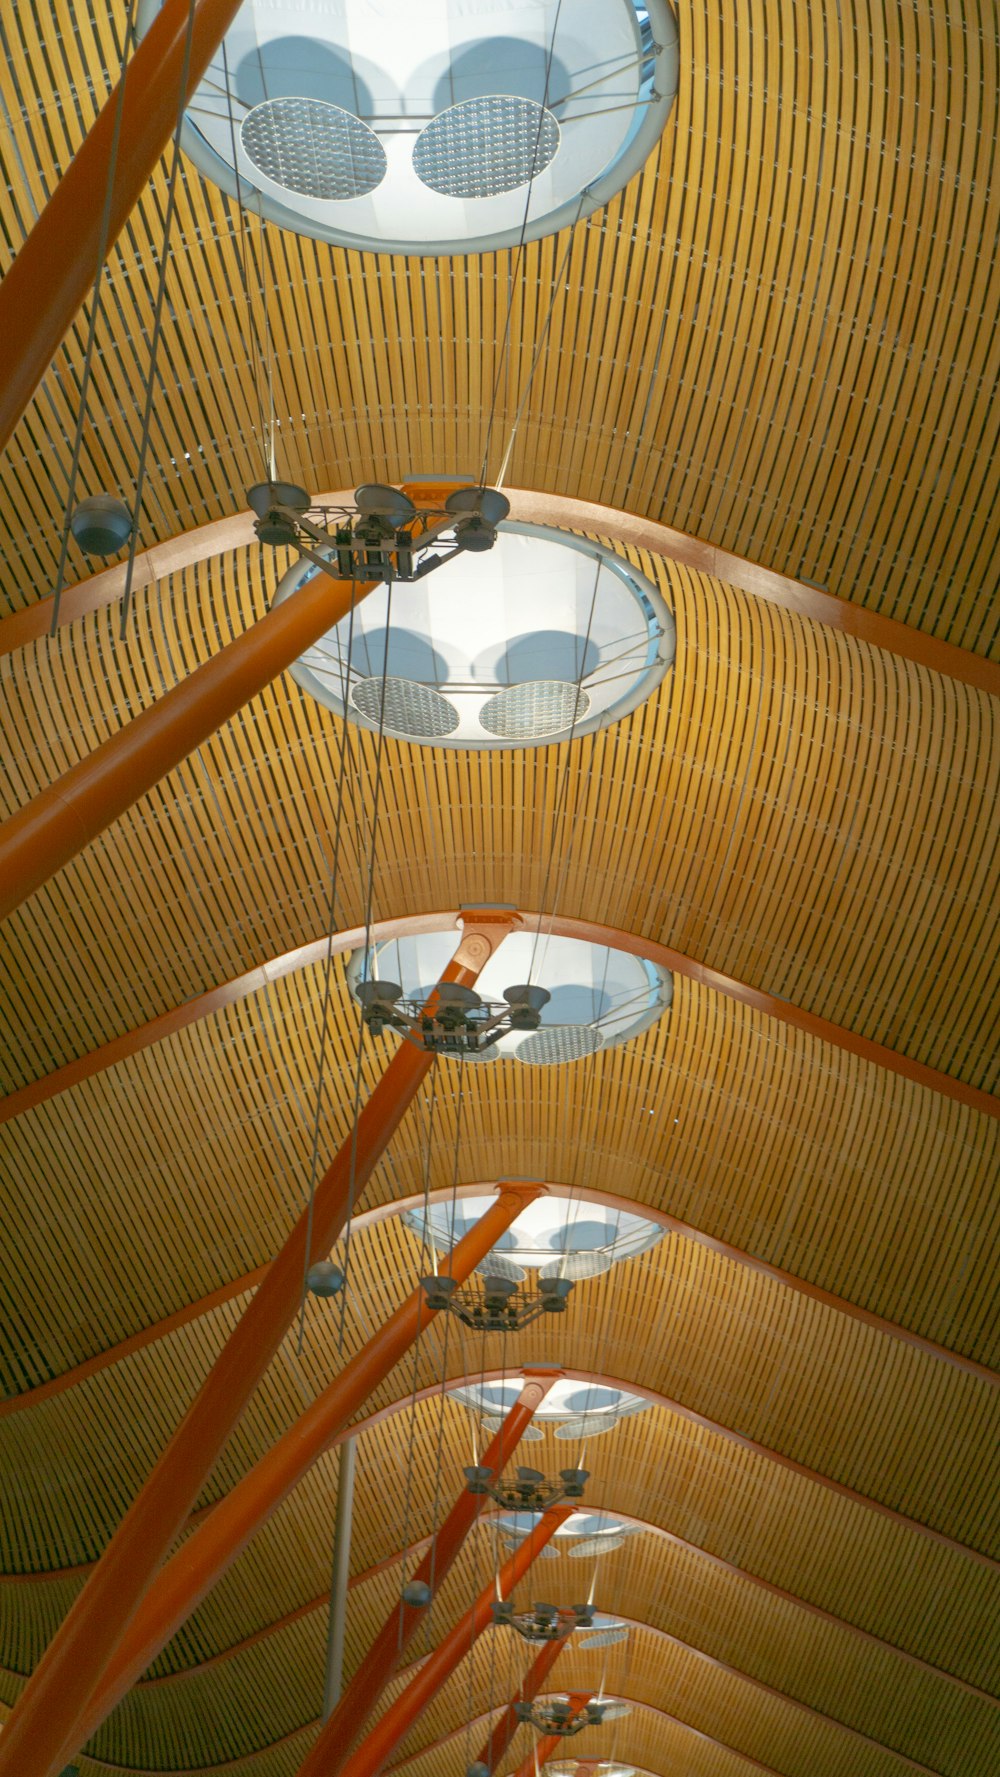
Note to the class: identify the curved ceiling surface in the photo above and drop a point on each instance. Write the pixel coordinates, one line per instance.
(778, 337)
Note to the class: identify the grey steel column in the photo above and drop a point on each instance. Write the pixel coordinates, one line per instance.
(341, 1573)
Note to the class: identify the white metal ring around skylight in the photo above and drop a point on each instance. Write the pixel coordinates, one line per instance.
(542, 638)
(441, 128)
(607, 996)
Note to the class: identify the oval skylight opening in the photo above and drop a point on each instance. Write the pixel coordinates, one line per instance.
(605, 1405)
(545, 637)
(599, 997)
(460, 125)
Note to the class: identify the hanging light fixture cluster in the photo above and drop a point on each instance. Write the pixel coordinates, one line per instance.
(383, 537)
(530, 1492)
(561, 1716)
(452, 1020)
(543, 1622)
(496, 1304)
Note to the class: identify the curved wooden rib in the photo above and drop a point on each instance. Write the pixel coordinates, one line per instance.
(28, 625)
(161, 1329)
(634, 1385)
(656, 1530)
(646, 1628)
(203, 1005)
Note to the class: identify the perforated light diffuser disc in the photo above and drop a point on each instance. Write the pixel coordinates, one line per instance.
(586, 1428)
(485, 146)
(409, 708)
(560, 1042)
(603, 1638)
(496, 1265)
(616, 1711)
(594, 1545)
(313, 148)
(577, 1266)
(534, 709)
(530, 1435)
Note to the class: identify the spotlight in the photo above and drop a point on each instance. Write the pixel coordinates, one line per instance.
(417, 1593)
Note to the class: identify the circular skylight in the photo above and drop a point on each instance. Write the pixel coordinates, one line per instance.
(566, 1401)
(418, 129)
(599, 997)
(549, 1235)
(544, 637)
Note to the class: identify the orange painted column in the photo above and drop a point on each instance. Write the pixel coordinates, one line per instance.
(347, 1722)
(215, 1545)
(41, 1733)
(375, 1751)
(502, 1733)
(57, 264)
(61, 820)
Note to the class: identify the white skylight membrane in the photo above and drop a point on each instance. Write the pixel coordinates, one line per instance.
(599, 996)
(545, 637)
(460, 125)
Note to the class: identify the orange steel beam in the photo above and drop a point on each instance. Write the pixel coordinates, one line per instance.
(207, 1554)
(61, 820)
(502, 1732)
(529, 507)
(347, 1722)
(47, 1710)
(238, 1286)
(204, 1005)
(59, 261)
(391, 1729)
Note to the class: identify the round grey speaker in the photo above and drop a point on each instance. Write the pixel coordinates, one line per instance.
(313, 148)
(101, 524)
(483, 147)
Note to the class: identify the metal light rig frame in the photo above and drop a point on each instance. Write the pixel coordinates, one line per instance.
(383, 537)
(497, 1305)
(561, 1717)
(452, 1020)
(543, 1622)
(531, 1492)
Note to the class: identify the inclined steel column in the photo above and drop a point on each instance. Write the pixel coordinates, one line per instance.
(503, 1731)
(542, 1750)
(352, 1714)
(57, 264)
(215, 1545)
(43, 1730)
(340, 1577)
(373, 1753)
(62, 819)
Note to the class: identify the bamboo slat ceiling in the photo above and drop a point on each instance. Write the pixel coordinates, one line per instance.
(782, 338)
